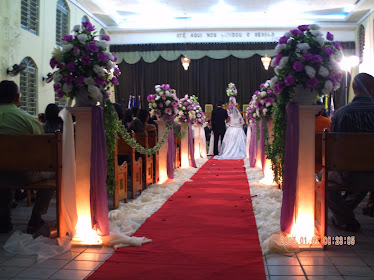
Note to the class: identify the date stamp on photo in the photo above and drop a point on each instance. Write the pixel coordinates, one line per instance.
(326, 240)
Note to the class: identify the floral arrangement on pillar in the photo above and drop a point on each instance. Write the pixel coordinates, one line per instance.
(84, 65)
(231, 90)
(164, 103)
(185, 105)
(303, 59)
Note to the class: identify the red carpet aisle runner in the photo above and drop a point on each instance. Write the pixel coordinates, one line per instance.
(206, 230)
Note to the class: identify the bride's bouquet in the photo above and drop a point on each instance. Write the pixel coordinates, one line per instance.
(262, 104)
(164, 103)
(231, 90)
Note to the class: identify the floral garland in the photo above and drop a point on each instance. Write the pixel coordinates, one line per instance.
(179, 133)
(231, 90)
(303, 58)
(84, 63)
(164, 103)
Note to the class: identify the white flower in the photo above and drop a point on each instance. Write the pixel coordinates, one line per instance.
(161, 93)
(264, 111)
(89, 81)
(157, 86)
(323, 71)
(102, 44)
(267, 104)
(57, 78)
(316, 33)
(82, 38)
(310, 71)
(154, 105)
(152, 112)
(67, 47)
(254, 115)
(328, 87)
(263, 93)
(180, 113)
(167, 102)
(98, 70)
(273, 81)
(276, 70)
(272, 63)
(186, 96)
(278, 49)
(320, 40)
(157, 97)
(336, 85)
(262, 101)
(303, 47)
(94, 91)
(184, 108)
(67, 88)
(158, 89)
(334, 65)
(58, 54)
(110, 64)
(288, 33)
(283, 62)
(150, 105)
(76, 28)
(314, 27)
(267, 83)
(109, 54)
(166, 92)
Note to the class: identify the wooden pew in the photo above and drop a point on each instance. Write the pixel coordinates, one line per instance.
(341, 152)
(142, 139)
(177, 152)
(34, 153)
(120, 174)
(134, 165)
(152, 141)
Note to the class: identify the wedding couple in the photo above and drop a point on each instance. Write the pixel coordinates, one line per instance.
(233, 144)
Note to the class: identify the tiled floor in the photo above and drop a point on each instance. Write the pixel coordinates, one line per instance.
(338, 262)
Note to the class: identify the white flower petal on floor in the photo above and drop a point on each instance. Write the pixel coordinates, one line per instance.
(125, 221)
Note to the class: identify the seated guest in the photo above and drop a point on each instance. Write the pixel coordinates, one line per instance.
(134, 111)
(356, 117)
(127, 118)
(208, 130)
(41, 118)
(152, 120)
(53, 122)
(321, 120)
(140, 124)
(14, 121)
(119, 111)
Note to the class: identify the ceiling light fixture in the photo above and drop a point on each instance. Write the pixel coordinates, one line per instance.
(265, 59)
(185, 62)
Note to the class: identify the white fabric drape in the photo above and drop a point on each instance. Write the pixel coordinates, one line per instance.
(199, 141)
(249, 133)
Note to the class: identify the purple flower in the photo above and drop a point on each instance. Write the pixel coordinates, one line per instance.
(279, 86)
(71, 66)
(67, 38)
(183, 117)
(61, 65)
(105, 37)
(296, 32)
(100, 81)
(56, 87)
(115, 57)
(115, 81)
(88, 26)
(189, 107)
(304, 27)
(316, 58)
(268, 91)
(271, 100)
(117, 72)
(283, 40)
(329, 51)
(165, 87)
(85, 59)
(92, 48)
(331, 77)
(79, 80)
(53, 62)
(289, 80)
(69, 79)
(76, 51)
(262, 85)
(266, 100)
(60, 93)
(307, 56)
(312, 83)
(185, 103)
(102, 57)
(338, 45)
(297, 66)
(277, 59)
(257, 92)
(338, 76)
(329, 36)
(107, 94)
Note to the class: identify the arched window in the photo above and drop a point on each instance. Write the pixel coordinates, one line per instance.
(30, 15)
(85, 18)
(102, 31)
(361, 42)
(62, 21)
(28, 86)
(61, 101)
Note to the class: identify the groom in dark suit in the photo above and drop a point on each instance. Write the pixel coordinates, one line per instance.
(219, 117)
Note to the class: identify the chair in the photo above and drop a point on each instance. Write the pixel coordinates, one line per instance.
(134, 165)
(120, 174)
(142, 139)
(338, 154)
(152, 141)
(245, 107)
(208, 110)
(24, 153)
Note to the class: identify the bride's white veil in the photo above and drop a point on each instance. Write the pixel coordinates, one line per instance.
(236, 117)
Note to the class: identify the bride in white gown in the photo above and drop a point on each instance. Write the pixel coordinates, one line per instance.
(234, 142)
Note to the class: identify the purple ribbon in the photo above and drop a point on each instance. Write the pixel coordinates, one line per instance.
(262, 146)
(170, 154)
(291, 159)
(98, 195)
(191, 150)
(253, 146)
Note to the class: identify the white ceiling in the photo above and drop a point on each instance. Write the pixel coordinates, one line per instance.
(142, 15)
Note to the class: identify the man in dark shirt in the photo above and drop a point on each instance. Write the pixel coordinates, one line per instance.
(356, 117)
(219, 118)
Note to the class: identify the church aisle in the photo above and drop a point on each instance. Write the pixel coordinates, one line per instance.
(206, 230)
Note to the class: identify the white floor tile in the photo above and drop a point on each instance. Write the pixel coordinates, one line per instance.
(315, 261)
(18, 261)
(66, 256)
(325, 278)
(51, 264)
(281, 260)
(36, 273)
(278, 277)
(320, 270)
(356, 271)
(285, 270)
(82, 265)
(347, 261)
(92, 257)
(100, 250)
(7, 271)
(65, 274)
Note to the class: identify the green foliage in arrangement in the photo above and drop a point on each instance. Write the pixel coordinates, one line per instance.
(179, 133)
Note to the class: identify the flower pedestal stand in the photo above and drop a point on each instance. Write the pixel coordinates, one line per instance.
(163, 152)
(184, 146)
(199, 141)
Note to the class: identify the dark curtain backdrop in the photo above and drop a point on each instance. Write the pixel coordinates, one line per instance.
(206, 78)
